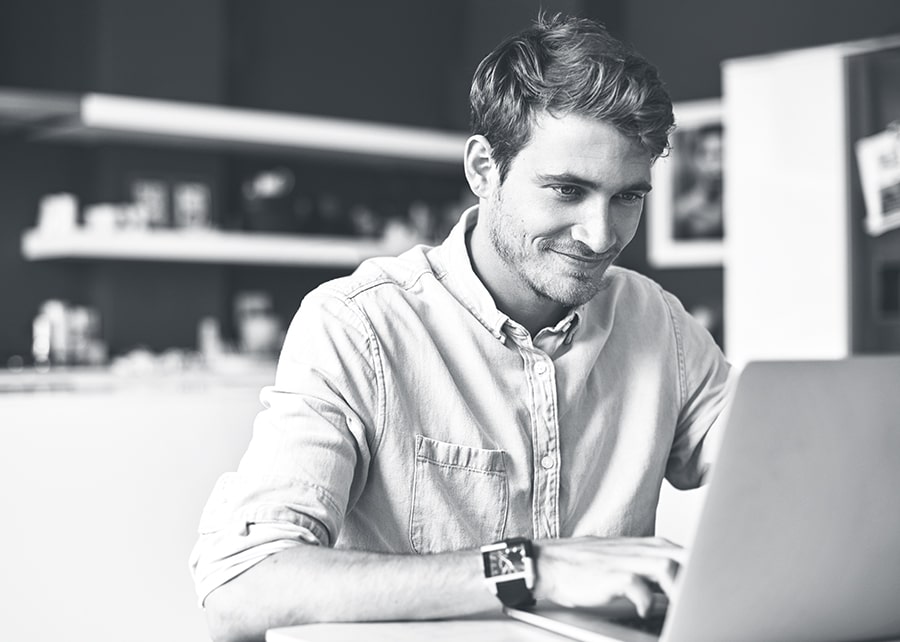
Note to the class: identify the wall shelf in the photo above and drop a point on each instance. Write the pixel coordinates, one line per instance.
(99, 118)
(207, 246)
(102, 118)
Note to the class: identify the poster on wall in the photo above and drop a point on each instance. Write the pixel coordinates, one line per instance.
(686, 225)
(878, 157)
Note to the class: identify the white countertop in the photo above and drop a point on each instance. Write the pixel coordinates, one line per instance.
(235, 371)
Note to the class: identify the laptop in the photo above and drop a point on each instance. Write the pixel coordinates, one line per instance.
(799, 535)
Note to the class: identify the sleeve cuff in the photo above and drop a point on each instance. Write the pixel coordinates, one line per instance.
(275, 538)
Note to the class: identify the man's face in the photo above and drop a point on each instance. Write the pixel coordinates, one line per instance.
(708, 155)
(570, 203)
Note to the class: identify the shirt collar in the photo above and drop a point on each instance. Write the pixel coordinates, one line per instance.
(464, 284)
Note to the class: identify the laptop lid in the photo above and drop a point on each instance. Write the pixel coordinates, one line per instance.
(799, 536)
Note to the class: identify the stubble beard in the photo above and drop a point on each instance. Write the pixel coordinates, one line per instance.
(535, 267)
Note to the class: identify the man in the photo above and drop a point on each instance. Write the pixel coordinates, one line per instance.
(507, 383)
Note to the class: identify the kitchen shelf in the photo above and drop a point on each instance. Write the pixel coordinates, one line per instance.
(207, 246)
(33, 108)
(102, 118)
(98, 118)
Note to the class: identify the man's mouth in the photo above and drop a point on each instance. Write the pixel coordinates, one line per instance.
(585, 259)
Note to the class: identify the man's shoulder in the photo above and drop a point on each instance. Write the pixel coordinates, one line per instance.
(638, 297)
(632, 293)
(380, 274)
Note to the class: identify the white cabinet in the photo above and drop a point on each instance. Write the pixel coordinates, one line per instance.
(791, 217)
(102, 491)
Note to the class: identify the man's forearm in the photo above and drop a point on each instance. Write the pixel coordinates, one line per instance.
(317, 584)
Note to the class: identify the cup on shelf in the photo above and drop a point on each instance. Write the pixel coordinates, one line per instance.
(63, 334)
(259, 329)
(192, 205)
(58, 213)
(111, 217)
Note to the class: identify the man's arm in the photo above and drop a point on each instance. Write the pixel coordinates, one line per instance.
(705, 388)
(317, 584)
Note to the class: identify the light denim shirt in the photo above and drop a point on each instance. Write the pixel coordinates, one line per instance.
(410, 415)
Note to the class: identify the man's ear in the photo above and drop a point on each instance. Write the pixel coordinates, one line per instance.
(479, 167)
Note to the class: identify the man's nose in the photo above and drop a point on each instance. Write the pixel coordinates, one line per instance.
(595, 230)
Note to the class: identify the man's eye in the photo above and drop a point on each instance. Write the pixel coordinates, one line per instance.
(567, 191)
(632, 197)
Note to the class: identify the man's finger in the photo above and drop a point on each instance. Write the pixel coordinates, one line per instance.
(679, 554)
(638, 593)
(658, 573)
(651, 547)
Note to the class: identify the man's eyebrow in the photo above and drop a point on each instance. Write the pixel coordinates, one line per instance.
(566, 177)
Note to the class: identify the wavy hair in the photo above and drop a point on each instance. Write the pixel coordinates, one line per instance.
(565, 65)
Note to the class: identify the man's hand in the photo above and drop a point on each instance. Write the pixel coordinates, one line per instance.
(594, 572)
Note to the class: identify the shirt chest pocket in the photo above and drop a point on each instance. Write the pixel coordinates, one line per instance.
(460, 497)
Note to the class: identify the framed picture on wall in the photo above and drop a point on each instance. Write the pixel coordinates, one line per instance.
(878, 157)
(685, 223)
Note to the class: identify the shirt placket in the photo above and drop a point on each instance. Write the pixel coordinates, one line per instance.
(541, 378)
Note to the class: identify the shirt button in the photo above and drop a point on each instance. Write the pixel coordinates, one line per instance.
(547, 462)
(540, 367)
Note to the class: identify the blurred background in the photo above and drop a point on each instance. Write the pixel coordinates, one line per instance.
(176, 176)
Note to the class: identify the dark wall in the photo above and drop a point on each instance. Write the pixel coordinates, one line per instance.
(388, 61)
(395, 61)
(42, 44)
(688, 39)
(45, 43)
(163, 49)
(402, 61)
(27, 171)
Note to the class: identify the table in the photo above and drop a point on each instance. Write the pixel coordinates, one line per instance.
(491, 626)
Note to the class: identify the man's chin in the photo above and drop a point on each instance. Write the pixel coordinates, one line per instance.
(576, 291)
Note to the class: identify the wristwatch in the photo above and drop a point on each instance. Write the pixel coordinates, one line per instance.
(509, 570)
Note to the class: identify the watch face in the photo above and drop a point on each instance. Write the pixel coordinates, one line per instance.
(507, 560)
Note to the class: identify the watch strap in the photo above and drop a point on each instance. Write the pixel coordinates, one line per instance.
(515, 593)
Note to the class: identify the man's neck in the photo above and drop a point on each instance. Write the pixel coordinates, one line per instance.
(532, 311)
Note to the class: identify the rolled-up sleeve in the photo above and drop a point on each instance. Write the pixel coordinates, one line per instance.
(308, 459)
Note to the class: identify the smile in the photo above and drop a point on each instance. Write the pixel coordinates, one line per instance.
(592, 260)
